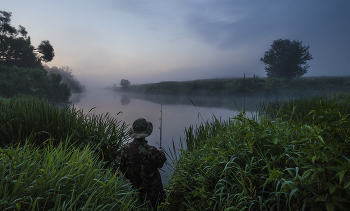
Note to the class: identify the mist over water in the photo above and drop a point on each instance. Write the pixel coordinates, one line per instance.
(178, 112)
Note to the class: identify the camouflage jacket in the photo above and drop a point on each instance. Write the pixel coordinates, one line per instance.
(140, 163)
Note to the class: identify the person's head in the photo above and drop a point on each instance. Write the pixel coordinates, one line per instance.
(140, 128)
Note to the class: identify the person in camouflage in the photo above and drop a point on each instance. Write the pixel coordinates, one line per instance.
(140, 162)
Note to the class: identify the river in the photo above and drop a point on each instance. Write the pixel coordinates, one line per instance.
(178, 113)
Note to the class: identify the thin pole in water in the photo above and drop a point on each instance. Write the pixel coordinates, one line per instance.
(160, 128)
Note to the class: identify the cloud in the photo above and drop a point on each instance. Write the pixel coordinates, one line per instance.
(151, 41)
(256, 20)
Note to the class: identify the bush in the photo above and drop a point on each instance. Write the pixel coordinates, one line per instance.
(35, 82)
(266, 164)
(296, 109)
(254, 86)
(67, 78)
(40, 121)
(60, 177)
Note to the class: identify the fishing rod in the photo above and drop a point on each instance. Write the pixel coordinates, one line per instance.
(161, 126)
(244, 92)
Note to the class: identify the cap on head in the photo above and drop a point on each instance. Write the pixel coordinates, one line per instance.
(140, 128)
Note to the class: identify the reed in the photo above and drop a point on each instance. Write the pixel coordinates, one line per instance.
(266, 164)
(297, 109)
(40, 121)
(60, 177)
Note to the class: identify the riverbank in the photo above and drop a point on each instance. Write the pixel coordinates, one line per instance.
(305, 86)
(288, 159)
(283, 161)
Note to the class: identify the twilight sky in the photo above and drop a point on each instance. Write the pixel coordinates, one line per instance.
(148, 41)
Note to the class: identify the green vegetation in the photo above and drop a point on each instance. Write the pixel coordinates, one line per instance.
(60, 177)
(67, 78)
(296, 157)
(124, 84)
(58, 158)
(35, 82)
(288, 163)
(39, 121)
(16, 48)
(21, 69)
(254, 86)
(297, 109)
(285, 59)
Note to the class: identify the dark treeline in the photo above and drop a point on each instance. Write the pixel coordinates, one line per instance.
(21, 69)
(16, 48)
(36, 82)
(67, 78)
(254, 86)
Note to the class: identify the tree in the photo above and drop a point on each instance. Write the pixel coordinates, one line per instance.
(124, 83)
(67, 77)
(46, 50)
(16, 48)
(285, 59)
(33, 81)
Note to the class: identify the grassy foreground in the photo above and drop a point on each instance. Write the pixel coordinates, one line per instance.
(60, 178)
(294, 162)
(40, 121)
(58, 158)
(288, 159)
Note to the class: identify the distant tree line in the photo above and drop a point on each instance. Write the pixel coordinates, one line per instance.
(37, 82)
(21, 69)
(253, 86)
(67, 77)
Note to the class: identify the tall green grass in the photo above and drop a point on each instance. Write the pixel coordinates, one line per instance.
(297, 109)
(266, 164)
(60, 177)
(297, 160)
(40, 121)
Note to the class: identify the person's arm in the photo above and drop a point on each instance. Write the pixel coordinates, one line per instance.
(159, 158)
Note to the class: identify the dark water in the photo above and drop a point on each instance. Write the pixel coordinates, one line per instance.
(177, 112)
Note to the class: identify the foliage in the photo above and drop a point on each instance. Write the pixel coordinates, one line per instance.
(60, 177)
(16, 48)
(40, 121)
(124, 83)
(253, 86)
(46, 50)
(285, 59)
(266, 164)
(21, 71)
(67, 78)
(296, 109)
(36, 82)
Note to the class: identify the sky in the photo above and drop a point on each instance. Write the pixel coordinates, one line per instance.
(149, 41)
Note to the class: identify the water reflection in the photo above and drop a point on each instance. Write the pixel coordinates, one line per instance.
(125, 100)
(232, 103)
(177, 112)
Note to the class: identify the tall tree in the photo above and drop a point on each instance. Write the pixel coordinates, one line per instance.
(16, 48)
(286, 59)
(124, 83)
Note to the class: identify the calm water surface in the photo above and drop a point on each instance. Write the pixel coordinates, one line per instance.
(177, 114)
